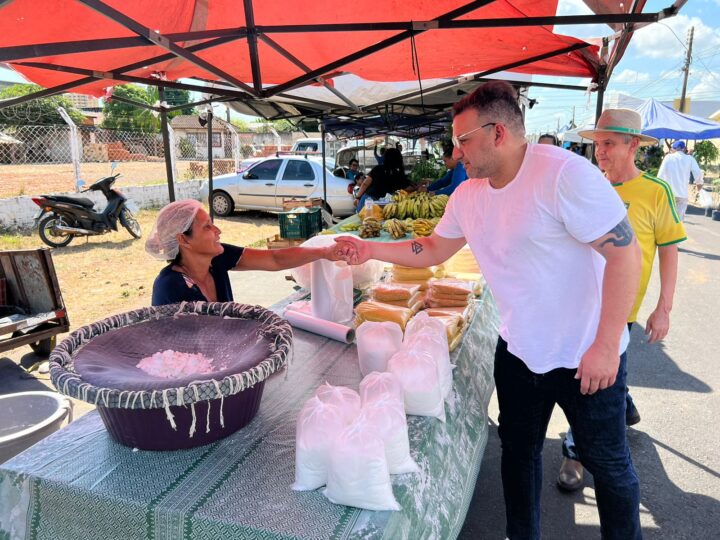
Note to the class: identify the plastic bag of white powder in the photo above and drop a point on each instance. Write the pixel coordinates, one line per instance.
(318, 425)
(417, 372)
(345, 399)
(358, 475)
(376, 343)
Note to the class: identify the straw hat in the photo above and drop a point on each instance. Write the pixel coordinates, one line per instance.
(623, 121)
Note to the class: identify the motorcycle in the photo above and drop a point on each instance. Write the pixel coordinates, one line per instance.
(62, 218)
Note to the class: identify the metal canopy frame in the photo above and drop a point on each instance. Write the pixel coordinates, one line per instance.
(241, 91)
(252, 33)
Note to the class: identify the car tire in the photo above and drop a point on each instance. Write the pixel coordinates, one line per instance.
(222, 204)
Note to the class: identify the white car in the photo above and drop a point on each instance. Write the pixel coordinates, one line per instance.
(270, 181)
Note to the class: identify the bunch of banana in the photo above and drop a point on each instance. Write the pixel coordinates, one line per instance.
(423, 227)
(390, 210)
(370, 227)
(395, 227)
(437, 205)
(399, 195)
(351, 226)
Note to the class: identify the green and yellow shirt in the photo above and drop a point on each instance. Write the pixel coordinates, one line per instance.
(651, 210)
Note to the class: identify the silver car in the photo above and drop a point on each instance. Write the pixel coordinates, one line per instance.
(270, 181)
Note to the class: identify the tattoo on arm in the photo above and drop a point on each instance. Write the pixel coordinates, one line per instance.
(416, 247)
(623, 234)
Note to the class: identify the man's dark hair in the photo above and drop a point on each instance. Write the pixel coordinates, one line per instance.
(353, 160)
(498, 100)
(549, 136)
(448, 151)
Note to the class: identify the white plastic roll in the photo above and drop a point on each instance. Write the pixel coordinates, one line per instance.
(329, 329)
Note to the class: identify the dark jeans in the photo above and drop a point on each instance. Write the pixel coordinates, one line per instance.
(526, 402)
(568, 444)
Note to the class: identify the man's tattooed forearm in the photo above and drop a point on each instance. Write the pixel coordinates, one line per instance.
(416, 247)
(623, 234)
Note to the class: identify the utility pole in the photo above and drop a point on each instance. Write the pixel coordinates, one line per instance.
(686, 69)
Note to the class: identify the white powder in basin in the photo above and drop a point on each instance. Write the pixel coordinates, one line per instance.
(171, 364)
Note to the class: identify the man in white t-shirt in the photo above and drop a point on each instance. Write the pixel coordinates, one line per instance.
(554, 244)
(675, 169)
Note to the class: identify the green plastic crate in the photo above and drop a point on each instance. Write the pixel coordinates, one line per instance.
(300, 224)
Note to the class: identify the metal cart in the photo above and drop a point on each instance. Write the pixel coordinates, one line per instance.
(31, 306)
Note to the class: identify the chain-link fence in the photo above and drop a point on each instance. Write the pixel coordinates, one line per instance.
(21, 145)
(39, 158)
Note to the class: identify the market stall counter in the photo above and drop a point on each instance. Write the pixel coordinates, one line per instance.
(80, 483)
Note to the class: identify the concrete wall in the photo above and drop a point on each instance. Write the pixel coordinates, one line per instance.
(18, 213)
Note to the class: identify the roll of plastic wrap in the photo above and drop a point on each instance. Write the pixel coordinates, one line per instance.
(329, 329)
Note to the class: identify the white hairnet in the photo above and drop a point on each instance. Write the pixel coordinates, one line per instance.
(174, 219)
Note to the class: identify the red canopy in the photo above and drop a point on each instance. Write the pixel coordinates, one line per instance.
(440, 52)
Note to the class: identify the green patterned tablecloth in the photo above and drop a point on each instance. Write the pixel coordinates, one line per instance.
(79, 483)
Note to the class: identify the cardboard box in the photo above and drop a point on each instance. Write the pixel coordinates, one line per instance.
(289, 204)
(275, 242)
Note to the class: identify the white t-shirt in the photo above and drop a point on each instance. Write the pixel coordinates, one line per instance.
(531, 240)
(675, 169)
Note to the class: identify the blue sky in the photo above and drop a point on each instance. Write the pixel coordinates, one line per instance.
(650, 68)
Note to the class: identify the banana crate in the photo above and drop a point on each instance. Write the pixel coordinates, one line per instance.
(300, 224)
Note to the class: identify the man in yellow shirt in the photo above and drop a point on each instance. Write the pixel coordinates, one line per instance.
(654, 218)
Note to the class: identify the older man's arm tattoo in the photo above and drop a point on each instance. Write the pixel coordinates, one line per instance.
(623, 234)
(416, 247)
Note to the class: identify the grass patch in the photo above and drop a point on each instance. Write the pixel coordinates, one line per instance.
(103, 275)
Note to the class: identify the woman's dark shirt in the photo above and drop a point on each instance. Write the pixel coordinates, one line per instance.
(171, 287)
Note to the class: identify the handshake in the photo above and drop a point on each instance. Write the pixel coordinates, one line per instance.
(350, 249)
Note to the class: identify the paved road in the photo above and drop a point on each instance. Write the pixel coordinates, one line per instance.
(675, 448)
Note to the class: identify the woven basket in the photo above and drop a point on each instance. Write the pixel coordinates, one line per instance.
(96, 364)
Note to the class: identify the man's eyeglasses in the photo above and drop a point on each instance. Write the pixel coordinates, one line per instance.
(462, 139)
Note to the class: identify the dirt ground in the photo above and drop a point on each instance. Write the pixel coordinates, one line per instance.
(38, 179)
(109, 274)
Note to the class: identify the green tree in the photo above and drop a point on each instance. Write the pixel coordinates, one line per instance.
(175, 97)
(242, 125)
(42, 111)
(263, 126)
(706, 153)
(127, 117)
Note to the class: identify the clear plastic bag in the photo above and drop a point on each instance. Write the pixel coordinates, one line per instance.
(318, 425)
(364, 274)
(388, 418)
(376, 343)
(358, 474)
(331, 291)
(345, 399)
(381, 387)
(418, 374)
(705, 199)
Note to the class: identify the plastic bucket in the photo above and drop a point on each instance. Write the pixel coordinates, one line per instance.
(28, 417)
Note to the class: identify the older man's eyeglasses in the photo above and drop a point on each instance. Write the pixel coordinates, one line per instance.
(462, 139)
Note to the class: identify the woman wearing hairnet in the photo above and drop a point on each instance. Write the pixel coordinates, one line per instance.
(184, 235)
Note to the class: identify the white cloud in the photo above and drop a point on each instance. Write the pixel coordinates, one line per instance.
(629, 76)
(578, 7)
(708, 86)
(658, 41)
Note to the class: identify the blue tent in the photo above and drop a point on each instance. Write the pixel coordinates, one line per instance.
(663, 122)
